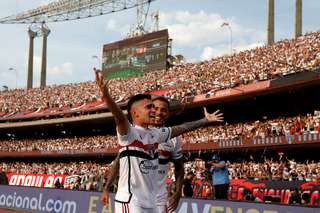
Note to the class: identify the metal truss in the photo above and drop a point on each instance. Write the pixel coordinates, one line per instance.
(65, 10)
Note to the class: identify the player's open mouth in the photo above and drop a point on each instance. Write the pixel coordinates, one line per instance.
(152, 116)
(158, 118)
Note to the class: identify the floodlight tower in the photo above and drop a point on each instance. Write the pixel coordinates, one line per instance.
(270, 27)
(37, 30)
(32, 34)
(45, 33)
(298, 18)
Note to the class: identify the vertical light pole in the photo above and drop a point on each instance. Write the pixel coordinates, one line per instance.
(98, 60)
(45, 33)
(298, 19)
(226, 24)
(270, 24)
(32, 35)
(13, 69)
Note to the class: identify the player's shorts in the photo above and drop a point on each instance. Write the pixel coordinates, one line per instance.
(132, 208)
(162, 208)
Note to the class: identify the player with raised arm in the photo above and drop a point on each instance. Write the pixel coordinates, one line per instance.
(138, 149)
(168, 152)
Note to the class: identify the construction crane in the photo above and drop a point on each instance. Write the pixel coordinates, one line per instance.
(66, 10)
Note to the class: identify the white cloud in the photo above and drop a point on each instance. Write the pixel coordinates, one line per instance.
(207, 53)
(117, 26)
(194, 29)
(62, 71)
(199, 35)
(241, 47)
(203, 31)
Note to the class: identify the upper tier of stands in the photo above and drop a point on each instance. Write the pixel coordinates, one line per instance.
(262, 63)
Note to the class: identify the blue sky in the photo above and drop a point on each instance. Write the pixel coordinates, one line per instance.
(194, 26)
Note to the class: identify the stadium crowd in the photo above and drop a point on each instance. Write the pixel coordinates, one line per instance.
(282, 58)
(91, 175)
(267, 169)
(303, 124)
(281, 126)
(282, 169)
(59, 144)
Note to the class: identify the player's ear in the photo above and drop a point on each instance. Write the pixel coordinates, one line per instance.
(134, 112)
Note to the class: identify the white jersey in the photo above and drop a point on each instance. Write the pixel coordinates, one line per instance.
(138, 171)
(167, 151)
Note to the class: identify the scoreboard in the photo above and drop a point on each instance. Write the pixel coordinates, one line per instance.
(135, 56)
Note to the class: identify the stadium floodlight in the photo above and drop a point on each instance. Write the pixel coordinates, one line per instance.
(97, 58)
(226, 24)
(65, 10)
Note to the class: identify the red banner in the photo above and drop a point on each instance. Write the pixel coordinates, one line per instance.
(36, 180)
(279, 189)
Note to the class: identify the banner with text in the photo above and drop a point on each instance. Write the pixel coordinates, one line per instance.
(67, 201)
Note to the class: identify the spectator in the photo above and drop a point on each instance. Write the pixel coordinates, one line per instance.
(295, 197)
(187, 185)
(220, 177)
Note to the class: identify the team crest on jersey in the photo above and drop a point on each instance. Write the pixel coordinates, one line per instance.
(146, 165)
(152, 149)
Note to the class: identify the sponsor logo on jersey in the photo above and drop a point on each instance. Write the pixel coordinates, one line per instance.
(146, 165)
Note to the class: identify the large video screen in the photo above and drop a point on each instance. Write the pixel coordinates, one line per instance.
(135, 56)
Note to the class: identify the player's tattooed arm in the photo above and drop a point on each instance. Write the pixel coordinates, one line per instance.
(189, 126)
(113, 174)
(120, 119)
(179, 174)
(112, 177)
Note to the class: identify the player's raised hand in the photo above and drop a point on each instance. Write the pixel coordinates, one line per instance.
(214, 117)
(99, 80)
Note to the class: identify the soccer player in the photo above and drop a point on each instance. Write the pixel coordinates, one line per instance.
(138, 149)
(168, 152)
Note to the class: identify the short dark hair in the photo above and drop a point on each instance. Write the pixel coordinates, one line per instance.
(161, 98)
(134, 99)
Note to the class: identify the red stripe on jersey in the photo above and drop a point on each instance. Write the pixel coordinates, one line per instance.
(165, 153)
(139, 144)
(128, 208)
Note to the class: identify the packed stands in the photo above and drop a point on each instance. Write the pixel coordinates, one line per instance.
(298, 125)
(262, 63)
(282, 126)
(90, 175)
(255, 178)
(59, 144)
(277, 169)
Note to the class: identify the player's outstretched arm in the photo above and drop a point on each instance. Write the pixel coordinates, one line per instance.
(121, 120)
(179, 174)
(189, 126)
